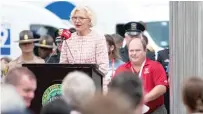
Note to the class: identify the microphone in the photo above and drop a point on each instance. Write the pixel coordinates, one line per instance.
(62, 34)
(65, 34)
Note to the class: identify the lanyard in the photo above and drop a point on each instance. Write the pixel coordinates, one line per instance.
(113, 62)
(140, 73)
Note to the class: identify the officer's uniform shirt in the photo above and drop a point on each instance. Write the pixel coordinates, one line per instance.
(163, 58)
(124, 53)
(19, 61)
(150, 55)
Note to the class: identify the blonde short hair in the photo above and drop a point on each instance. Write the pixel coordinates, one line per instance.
(89, 12)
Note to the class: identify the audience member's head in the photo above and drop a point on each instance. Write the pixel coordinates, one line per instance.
(118, 40)
(24, 81)
(77, 88)
(111, 45)
(5, 60)
(112, 103)
(4, 65)
(193, 94)
(57, 106)
(129, 84)
(11, 101)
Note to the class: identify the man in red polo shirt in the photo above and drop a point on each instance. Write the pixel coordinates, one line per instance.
(151, 73)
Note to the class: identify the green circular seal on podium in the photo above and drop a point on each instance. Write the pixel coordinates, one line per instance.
(51, 93)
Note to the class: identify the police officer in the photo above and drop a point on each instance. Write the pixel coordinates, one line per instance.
(45, 49)
(26, 44)
(132, 30)
(163, 58)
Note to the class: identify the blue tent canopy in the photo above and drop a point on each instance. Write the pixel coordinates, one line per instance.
(61, 8)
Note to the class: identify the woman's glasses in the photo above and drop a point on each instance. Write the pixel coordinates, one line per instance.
(74, 18)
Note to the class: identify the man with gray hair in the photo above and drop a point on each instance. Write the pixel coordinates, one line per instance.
(77, 88)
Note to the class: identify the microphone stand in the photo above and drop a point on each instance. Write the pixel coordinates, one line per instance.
(49, 57)
(64, 40)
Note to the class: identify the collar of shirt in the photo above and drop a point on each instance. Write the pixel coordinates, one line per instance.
(21, 61)
(129, 65)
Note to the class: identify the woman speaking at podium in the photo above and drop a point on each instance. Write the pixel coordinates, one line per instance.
(85, 46)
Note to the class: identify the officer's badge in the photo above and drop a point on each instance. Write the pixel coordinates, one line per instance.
(44, 42)
(133, 26)
(25, 37)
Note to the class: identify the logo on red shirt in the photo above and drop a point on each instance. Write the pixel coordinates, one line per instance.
(146, 71)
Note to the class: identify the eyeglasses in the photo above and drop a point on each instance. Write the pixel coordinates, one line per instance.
(79, 18)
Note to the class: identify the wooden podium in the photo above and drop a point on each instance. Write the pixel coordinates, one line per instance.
(50, 76)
